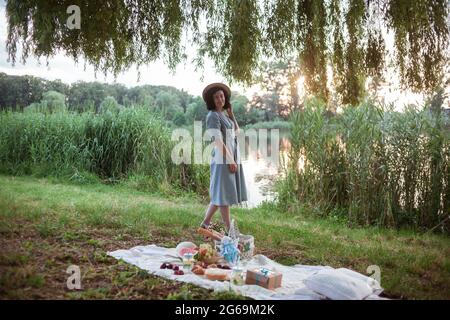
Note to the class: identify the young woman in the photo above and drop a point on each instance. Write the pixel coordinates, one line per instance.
(227, 182)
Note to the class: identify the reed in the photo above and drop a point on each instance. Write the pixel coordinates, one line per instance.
(127, 144)
(372, 164)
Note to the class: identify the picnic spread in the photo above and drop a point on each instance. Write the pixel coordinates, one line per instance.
(229, 263)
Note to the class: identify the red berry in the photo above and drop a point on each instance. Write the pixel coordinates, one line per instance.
(180, 272)
(169, 266)
(176, 268)
(163, 266)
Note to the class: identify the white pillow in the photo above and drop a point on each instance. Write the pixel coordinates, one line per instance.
(338, 285)
(374, 284)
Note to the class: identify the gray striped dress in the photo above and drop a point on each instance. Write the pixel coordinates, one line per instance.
(226, 188)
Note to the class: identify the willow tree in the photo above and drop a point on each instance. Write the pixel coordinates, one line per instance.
(350, 36)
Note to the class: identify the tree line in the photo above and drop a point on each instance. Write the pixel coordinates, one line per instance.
(175, 105)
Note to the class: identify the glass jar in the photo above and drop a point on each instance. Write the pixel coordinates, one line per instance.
(188, 261)
(237, 276)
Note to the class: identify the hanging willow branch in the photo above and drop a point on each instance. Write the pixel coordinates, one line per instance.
(347, 35)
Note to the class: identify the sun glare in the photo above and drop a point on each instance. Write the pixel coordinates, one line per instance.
(301, 86)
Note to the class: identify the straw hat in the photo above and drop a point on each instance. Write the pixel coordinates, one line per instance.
(220, 85)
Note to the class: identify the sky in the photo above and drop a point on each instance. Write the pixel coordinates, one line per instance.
(155, 73)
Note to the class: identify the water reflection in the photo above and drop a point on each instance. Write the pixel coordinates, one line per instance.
(261, 172)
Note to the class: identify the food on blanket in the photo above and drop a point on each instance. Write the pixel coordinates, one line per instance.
(207, 253)
(217, 274)
(214, 259)
(178, 272)
(210, 234)
(186, 247)
(198, 270)
(206, 250)
(212, 266)
(183, 251)
(223, 266)
(171, 266)
(202, 264)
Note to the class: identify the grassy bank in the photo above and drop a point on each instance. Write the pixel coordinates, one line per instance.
(45, 226)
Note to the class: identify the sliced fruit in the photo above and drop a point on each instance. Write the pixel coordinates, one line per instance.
(183, 251)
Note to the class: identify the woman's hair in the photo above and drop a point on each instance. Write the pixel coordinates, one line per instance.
(210, 100)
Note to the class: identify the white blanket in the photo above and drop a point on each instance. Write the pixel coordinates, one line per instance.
(151, 257)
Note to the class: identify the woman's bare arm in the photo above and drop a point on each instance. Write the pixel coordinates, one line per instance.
(224, 151)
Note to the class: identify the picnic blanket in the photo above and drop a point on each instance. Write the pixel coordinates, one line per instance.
(299, 282)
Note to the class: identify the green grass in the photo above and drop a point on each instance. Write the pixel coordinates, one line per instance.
(71, 223)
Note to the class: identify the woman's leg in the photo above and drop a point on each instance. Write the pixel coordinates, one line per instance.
(212, 208)
(225, 211)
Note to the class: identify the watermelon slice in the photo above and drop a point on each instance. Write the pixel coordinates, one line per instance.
(183, 251)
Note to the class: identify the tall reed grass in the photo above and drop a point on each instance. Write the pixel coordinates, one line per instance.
(371, 164)
(129, 145)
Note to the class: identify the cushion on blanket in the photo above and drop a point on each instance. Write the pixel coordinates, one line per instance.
(339, 285)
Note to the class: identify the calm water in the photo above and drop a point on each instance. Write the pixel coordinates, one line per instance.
(260, 173)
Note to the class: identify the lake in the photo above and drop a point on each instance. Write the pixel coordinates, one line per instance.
(260, 173)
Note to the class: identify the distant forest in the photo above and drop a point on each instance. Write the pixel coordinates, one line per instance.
(176, 106)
